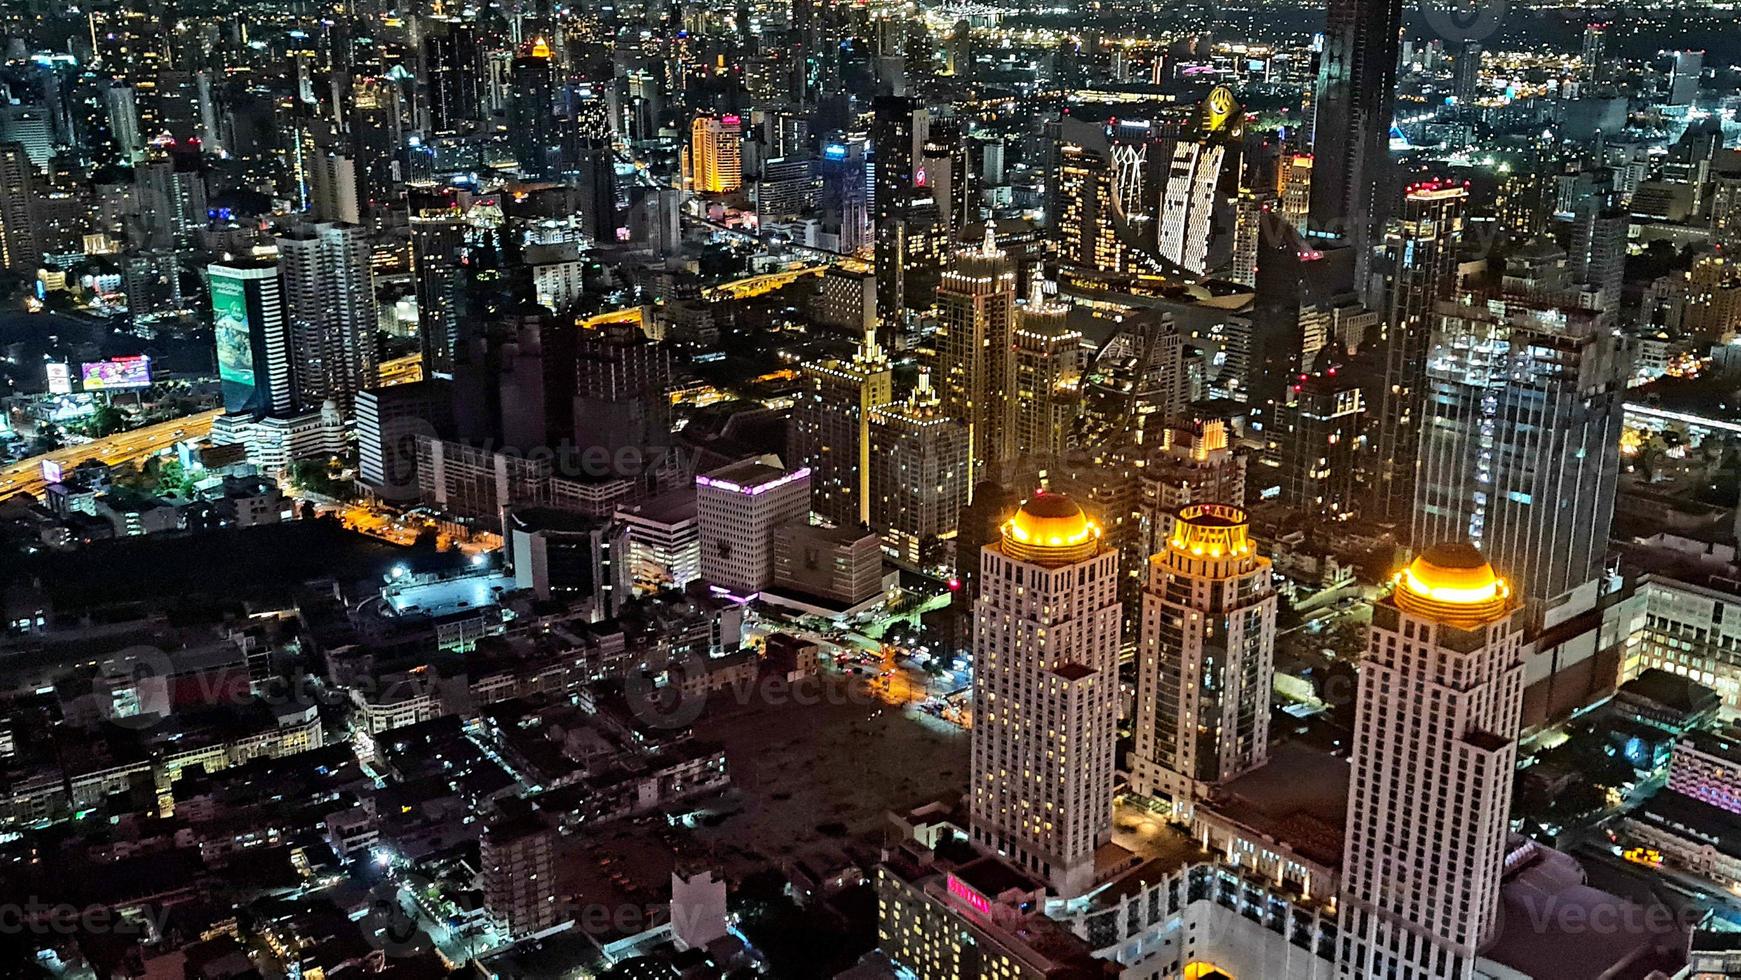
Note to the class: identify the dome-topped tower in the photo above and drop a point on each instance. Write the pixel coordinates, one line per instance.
(1452, 583)
(1050, 529)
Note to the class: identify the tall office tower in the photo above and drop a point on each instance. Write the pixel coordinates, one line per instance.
(329, 302)
(389, 421)
(1319, 426)
(1202, 176)
(252, 334)
(845, 197)
(1045, 689)
(898, 130)
(943, 174)
(1194, 464)
(1351, 132)
(517, 855)
(332, 188)
(918, 468)
(715, 154)
(975, 357)
(1467, 80)
(1422, 249)
(1048, 377)
(1294, 188)
(438, 239)
(829, 430)
(1591, 67)
(1441, 695)
(1597, 257)
(1250, 213)
(121, 103)
(596, 160)
(19, 247)
(454, 66)
(1520, 446)
(1683, 79)
(1098, 213)
(621, 399)
(1206, 660)
(532, 128)
(171, 195)
(737, 508)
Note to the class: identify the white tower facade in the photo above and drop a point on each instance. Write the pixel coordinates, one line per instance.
(1207, 658)
(1441, 696)
(1045, 644)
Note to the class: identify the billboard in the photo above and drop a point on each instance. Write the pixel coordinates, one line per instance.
(116, 373)
(60, 378)
(230, 325)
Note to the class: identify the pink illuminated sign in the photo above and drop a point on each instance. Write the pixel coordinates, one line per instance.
(967, 893)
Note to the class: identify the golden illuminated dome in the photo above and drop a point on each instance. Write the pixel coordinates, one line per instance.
(1050, 529)
(1453, 584)
(540, 48)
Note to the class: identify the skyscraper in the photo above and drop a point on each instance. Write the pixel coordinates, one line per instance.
(918, 472)
(737, 508)
(976, 361)
(329, 302)
(252, 334)
(830, 430)
(898, 130)
(1318, 428)
(1206, 660)
(715, 154)
(19, 246)
(1351, 132)
(438, 278)
(1422, 251)
(1591, 65)
(1683, 79)
(1441, 694)
(1045, 644)
(1520, 445)
(532, 127)
(1202, 176)
(1048, 377)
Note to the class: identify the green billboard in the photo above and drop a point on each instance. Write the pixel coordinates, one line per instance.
(230, 324)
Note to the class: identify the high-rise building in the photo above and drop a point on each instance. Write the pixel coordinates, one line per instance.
(1354, 105)
(1439, 703)
(715, 154)
(1206, 661)
(332, 188)
(454, 68)
(252, 332)
(1045, 643)
(1250, 212)
(1294, 187)
(1597, 254)
(975, 356)
(620, 393)
(517, 855)
(329, 302)
(438, 238)
(1202, 177)
(1520, 443)
(899, 127)
(1048, 377)
(19, 245)
(1467, 80)
(918, 467)
(594, 157)
(389, 420)
(1422, 251)
(1683, 79)
(171, 194)
(829, 431)
(532, 125)
(737, 508)
(1591, 65)
(1099, 206)
(1319, 427)
(1195, 463)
